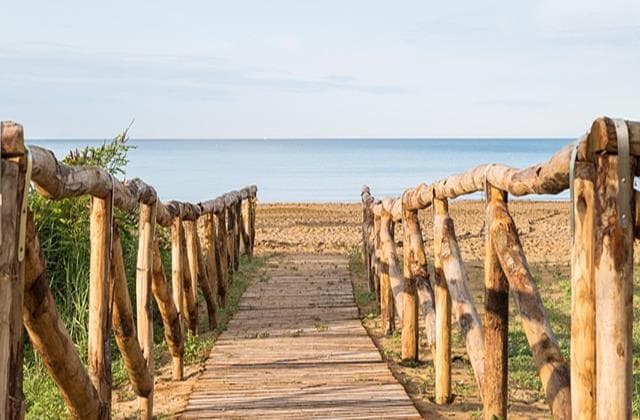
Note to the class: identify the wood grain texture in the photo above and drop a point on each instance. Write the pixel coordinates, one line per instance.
(296, 349)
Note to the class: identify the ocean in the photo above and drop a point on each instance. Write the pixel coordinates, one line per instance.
(312, 170)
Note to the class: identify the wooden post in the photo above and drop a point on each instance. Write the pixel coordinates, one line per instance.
(231, 241)
(123, 327)
(246, 227)
(177, 287)
(386, 294)
(192, 248)
(50, 338)
(191, 314)
(442, 360)
(457, 282)
(221, 257)
(99, 310)
(552, 368)
(378, 261)
(144, 280)
(169, 313)
(613, 292)
(367, 244)
(496, 323)
(252, 220)
(12, 173)
(207, 265)
(238, 233)
(583, 311)
(413, 267)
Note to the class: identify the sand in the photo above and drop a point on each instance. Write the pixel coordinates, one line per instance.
(336, 228)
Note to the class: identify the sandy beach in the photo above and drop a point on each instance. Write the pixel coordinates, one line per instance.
(335, 228)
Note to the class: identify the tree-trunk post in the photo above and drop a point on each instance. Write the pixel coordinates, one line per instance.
(378, 254)
(12, 173)
(191, 238)
(207, 266)
(583, 311)
(252, 219)
(367, 246)
(386, 294)
(99, 346)
(246, 227)
(221, 257)
(238, 232)
(231, 241)
(442, 360)
(414, 267)
(496, 323)
(613, 274)
(144, 309)
(177, 290)
(190, 315)
(552, 368)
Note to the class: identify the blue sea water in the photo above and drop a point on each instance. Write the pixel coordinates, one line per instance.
(312, 170)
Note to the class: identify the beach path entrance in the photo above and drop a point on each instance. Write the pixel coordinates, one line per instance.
(296, 348)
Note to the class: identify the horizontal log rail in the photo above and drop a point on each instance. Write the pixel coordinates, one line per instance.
(601, 275)
(203, 235)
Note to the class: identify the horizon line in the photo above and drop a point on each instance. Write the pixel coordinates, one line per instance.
(305, 138)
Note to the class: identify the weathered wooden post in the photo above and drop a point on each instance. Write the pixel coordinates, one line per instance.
(207, 265)
(124, 330)
(144, 310)
(230, 209)
(246, 227)
(221, 257)
(552, 368)
(613, 271)
(583, 311)
(177, 286)
(50, 338)
(191, 254)
(190, 315)
(496, 322)
(414, 266)
(457, 281)
(100, 225)
(169, 313)
(442, 359)
(252, 217)
(12, 192)
(238, 231)
(367, 226)
(386, 294)
(378, 261)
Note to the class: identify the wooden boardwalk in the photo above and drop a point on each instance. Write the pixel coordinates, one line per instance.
(296, 349)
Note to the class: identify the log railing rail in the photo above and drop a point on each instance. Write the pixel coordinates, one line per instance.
(601, 166)
(203, 236)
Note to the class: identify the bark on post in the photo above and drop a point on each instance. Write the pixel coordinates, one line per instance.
(221, 257)
(238, 233)
(12, 168)
(169, 314)
(144, 280)
(123, 328)
(246, 226)
(367, 245)
(496, 322)
(99, 309)
(231, 241)
(386, 294)
(193, 251)
(378, 261)
(457, 281)
(583, 310)
(207, 266)
(442, 360)
(396, 279)
(190, 292)
(552, 368)
(613, 292)
(414, 267)
(252, 219)
(50, 338)
(177, 289)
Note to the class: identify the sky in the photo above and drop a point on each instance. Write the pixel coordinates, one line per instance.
(318, 69)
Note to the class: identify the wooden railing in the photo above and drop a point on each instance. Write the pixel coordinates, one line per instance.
(599, 168)
(206, 240)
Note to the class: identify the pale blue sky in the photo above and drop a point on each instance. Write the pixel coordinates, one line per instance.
(324, 68)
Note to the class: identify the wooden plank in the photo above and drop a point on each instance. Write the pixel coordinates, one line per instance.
(279, 363)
